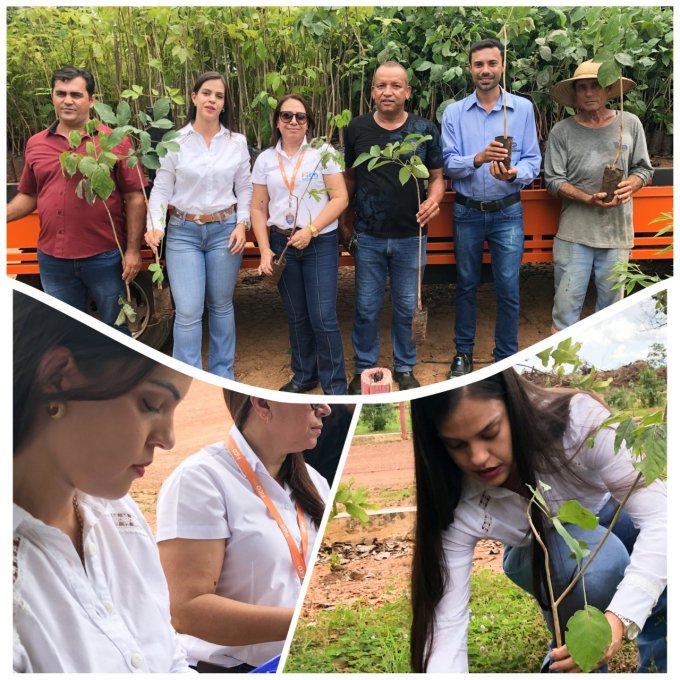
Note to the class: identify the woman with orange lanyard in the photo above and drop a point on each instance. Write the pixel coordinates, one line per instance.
(299, 197)
(236, 526)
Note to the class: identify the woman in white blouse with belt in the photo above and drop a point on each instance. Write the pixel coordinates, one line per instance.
(89, 592)
(298, 194)
(237, 523)
(477, 448)
(205, 187)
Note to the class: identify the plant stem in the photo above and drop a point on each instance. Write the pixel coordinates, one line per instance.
(120, 249)
(551, 595)
(420, 248)
(159, 283)
(505, 58)
(618, 151)
(617, 514)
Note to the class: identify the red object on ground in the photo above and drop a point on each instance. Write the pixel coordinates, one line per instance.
(376, 381)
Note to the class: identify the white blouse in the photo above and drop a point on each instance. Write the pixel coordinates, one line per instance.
(208, 497)
(112, 616)
(266, 171)
(495, 513)
(200, 179)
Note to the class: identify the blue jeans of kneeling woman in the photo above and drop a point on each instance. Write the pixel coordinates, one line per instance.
(309, 290)
(601, 581)
(201, 270)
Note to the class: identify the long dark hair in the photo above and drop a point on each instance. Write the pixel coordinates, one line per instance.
(225, 119)
(311, 123)
(294, 469)
(112, 369)
(538, 419)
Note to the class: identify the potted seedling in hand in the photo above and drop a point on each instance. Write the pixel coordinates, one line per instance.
(411, 167)
(504, 139)
(613, 174)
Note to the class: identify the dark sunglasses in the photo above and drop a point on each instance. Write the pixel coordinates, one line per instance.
(287, 116)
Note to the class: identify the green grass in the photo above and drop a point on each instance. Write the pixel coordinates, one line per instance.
(393, 424)
(386, 498)
(506, 634)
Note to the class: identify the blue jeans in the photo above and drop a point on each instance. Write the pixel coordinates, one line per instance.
(309, 290)
(504, 232)
(202, 269)
(374, 258)
(573, 264)
(71, 280)
(601, 580)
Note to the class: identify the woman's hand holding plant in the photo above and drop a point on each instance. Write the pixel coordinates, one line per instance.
(301, 238)
(153, 238)
(265, 266)
(563, 663)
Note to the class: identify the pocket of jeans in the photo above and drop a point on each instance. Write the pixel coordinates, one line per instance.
(515, 210)
(175, 222)
(460, 212)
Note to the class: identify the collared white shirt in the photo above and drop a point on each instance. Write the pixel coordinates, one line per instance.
(208, 497)
(310, 176)
(113, 616)
(497, 513)
(200, 179)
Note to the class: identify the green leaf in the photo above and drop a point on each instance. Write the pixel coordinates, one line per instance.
(129, 94)
(105, 112)
(154, 267)
(375, 150)
(69, 162)
(120, 319)
(653, 442)
(588, 636)
(544, 356)
(609, 72)
(161, 108)
(109, 158)
(131, 162)
(424, 66)
(123, 113)
(157, 276)
(74, 139)
(151, 161)
(169, 135)
(572, 512)
(145, 141)
(87, 166)
(419, 170)
(545, 52)
(404, 174)
(579, 549)
(90, 149)
(356, 512)
(162, 124)
(362, 158)
(102, 184)
(118, 135)
(138, 89)
(624, 59)
(170, 146)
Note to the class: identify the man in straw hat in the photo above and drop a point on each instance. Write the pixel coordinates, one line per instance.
(593, 235)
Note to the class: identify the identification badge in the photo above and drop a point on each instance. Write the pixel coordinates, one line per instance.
(290, 218)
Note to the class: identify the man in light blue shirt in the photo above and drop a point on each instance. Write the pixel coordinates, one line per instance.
(487, 204)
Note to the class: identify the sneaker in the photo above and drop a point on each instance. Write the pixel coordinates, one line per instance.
(355, 386)
(461, 365)
(406, 380)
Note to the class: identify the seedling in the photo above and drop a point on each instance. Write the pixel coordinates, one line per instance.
(411, 167)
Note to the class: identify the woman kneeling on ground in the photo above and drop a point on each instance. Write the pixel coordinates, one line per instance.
(205, 187)
(89, 592)
(477, 449)
(284, 210)
(237, 524)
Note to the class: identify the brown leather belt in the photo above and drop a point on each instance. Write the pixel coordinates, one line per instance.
(284, 232)
(219, 216)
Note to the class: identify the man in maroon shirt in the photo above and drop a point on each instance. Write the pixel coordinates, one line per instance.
(77, 252)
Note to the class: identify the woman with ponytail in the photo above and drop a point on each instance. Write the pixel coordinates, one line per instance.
(478, 450)
(237, 524)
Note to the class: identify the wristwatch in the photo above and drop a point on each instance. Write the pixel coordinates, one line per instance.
(313, 229)
(246, 223)
(630, 628)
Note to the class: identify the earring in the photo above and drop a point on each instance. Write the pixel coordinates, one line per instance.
(56, 409)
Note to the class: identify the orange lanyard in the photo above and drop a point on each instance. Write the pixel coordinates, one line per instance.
(290, 184)
(297, 553)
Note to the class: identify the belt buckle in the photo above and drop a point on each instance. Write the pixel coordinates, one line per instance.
(197, 220)
(483, 204)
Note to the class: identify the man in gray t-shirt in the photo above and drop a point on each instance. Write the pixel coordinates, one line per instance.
(593, 235)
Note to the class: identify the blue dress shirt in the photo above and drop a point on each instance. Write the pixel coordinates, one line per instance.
(467, 129)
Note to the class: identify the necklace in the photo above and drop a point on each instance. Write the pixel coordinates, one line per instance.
(79, 519)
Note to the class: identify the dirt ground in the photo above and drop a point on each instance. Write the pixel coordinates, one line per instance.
(262, 348)
(375, 563)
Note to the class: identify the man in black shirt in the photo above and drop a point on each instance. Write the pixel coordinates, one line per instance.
(387, 221)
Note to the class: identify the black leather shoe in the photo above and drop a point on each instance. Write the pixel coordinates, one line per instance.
(294, 388)
(406, 380)
(355, 385)
(461, 365)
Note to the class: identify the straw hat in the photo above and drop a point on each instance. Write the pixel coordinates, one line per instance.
(563, 92)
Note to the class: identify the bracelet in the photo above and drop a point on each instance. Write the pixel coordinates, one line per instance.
(630, 628)
(313, 229)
